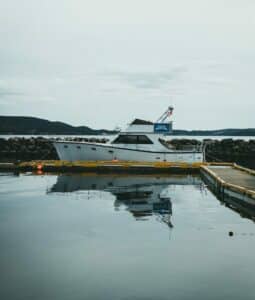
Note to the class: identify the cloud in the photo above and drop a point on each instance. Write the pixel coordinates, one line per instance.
(24, 90)
(7, 93)
(149, 80)
(6, 90)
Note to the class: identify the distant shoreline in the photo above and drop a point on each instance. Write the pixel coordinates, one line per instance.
(16, 125)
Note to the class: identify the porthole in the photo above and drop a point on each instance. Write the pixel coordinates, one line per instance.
(110, 151)
(93, 148)
(157, 157)
(78, 147)
(65, 146)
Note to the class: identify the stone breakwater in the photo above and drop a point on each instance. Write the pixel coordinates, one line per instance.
(35, 148)
(227, 150)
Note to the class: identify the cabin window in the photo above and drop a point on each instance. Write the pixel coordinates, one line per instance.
(93, 148)
(65, 146)
(132, 139)
(78, 147)
(143, 139)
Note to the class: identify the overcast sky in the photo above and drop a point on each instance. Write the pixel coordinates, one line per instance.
(101, 63)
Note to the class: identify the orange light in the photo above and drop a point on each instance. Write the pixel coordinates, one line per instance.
(39, 167)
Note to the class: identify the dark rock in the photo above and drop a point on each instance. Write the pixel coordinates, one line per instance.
(25, 149)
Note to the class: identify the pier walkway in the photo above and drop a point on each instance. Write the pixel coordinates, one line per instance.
(235, 175)
(232, 183)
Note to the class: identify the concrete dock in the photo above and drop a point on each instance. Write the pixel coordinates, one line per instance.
(233, 185)
(235, 175)
(230, 176)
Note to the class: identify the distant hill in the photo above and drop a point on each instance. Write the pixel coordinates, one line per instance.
(36, 126)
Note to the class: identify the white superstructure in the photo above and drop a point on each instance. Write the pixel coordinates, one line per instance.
(141, 141)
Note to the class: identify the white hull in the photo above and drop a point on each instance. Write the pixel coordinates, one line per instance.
(81, 151)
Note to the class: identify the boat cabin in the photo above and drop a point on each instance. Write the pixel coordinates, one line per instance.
(139, 125)
(141, 134)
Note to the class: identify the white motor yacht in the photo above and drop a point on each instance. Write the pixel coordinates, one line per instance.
(141, 141)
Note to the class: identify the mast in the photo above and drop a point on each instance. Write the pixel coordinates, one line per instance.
(165, 115)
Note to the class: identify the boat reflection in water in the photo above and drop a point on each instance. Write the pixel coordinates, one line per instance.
(142, 196)
(142, 202)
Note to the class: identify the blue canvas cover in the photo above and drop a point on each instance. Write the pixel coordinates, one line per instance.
(162, 127)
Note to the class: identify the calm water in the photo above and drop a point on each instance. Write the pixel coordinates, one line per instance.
(121, 237)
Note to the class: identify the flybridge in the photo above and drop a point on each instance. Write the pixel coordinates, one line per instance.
(160, 126)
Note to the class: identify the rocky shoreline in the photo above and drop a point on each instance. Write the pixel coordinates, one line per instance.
(39, 148)
(226, 150)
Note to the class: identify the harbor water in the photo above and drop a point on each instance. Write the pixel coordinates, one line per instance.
(87, 236)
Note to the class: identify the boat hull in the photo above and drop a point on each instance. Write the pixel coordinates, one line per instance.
(76, 151)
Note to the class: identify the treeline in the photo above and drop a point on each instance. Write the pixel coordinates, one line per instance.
(12, 125)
